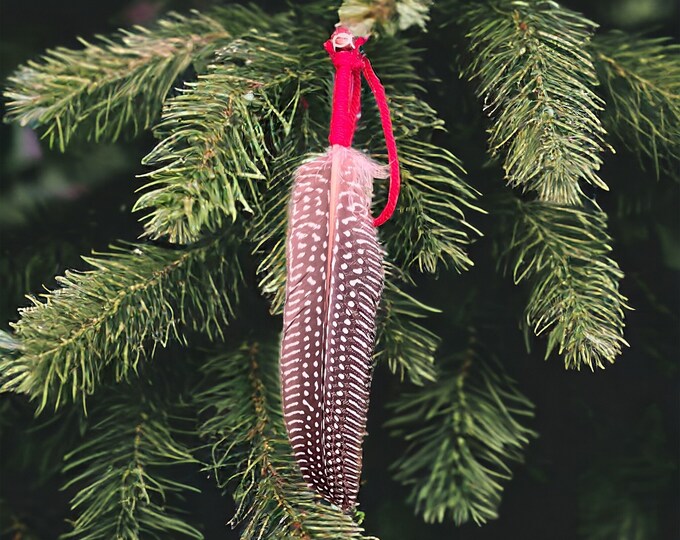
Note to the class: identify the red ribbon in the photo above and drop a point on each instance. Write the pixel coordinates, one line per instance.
(349, 65)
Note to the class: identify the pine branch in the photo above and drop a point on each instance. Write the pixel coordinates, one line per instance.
(536, 76)
(132, 301)
(537, 79)
(252, 456)
(111, 85)
(641, 79)
(268, 232)
(122, 472)
(429, 229)
(575, 294)
(220, 135)
(406, 346)
(463, 431)
(223, 133)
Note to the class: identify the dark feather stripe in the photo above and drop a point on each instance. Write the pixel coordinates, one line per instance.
(333, 290)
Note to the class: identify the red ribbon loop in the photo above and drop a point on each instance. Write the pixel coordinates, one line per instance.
(349, 64)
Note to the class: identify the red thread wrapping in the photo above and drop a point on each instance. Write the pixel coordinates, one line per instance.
(349, 65)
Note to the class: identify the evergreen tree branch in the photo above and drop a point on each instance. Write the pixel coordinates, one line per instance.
(220, 135)
(575, 294)
(122, 472)
(464, 431)
(429, 229)
(536, 76)
(406, 346)
(641, 80)
(132, 301)
(110, 85)
(268, 232)
(251, 453)
(260, 84)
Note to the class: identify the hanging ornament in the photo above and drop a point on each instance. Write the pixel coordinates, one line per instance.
(334, 267)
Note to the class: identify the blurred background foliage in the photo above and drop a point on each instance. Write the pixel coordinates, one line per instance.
(605, 465)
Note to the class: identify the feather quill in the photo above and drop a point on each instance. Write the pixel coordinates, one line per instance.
(334, 283)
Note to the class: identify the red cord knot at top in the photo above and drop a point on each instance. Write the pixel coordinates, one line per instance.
(350, 63)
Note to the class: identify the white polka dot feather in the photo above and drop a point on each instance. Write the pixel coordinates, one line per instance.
(334, 282)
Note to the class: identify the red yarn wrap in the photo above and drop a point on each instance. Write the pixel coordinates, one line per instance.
(349, 64)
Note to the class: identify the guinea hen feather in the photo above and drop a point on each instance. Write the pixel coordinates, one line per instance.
(334, 282)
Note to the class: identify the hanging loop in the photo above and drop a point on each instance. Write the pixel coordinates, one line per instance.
(349, 64)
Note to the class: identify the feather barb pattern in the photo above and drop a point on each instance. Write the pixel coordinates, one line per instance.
(334, 282)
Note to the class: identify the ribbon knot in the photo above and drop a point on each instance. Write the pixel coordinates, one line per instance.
(350, 63)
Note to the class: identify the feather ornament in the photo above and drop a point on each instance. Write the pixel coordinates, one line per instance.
(335, 276)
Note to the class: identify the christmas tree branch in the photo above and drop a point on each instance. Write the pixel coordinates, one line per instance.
(114, 84)
(463, 431)
(220, 135)
(575, 294)
(406, 346)
(430, 229)
(641, 80)
(122, 471)
(251, 453)
(133, 300)
(268, 231)
(206, 153)
(536, 76)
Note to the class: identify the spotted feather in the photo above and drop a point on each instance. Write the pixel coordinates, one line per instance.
(334, 282)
